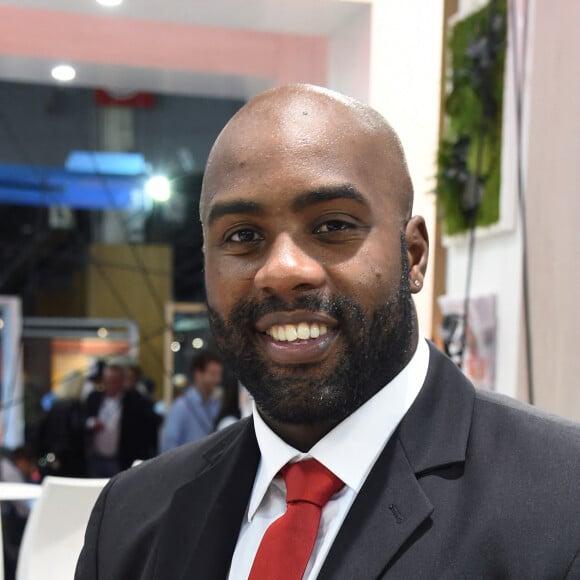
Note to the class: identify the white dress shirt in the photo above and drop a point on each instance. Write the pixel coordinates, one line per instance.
(106, 441)
(350, 451)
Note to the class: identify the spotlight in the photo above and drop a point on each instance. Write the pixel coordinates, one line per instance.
(158, 188)
(63, 73)
(110, 3)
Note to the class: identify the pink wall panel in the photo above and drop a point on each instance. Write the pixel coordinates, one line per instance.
(165, 45)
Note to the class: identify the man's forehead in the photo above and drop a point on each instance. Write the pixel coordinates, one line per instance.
(288, 127)
(297, 122)
(289, 122)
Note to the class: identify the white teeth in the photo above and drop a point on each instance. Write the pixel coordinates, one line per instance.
(291, 332)
(301, 331)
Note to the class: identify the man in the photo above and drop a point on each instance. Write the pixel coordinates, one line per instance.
(121, 426)
(193, 415)
(311, 257)
(59, 441)
(134, 380)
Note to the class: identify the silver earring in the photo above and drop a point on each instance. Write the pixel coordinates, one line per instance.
(417, 283)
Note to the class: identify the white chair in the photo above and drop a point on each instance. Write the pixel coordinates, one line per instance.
(54, 533)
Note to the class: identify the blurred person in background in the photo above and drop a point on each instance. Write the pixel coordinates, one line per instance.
(59, 441)
(34, 392)
(230, 404)
(193, 415)
(121, 426)
(179, 383)
(94, 380)
(134, 379)
(237, 403)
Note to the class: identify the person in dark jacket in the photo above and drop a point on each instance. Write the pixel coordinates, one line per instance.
(121, 426)
(368, 455)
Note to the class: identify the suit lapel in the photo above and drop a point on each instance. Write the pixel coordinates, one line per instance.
(201, 527)
(389, 508)
(435, 431)
(392, 508)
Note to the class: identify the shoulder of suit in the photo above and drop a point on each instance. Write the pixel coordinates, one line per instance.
(535, 417)
(142, 494)
(496, 409)
(180, 465)
(526, 433)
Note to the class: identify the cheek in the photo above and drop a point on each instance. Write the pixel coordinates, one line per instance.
(368, 280)
(214, 280)
(225, 285)
(366, 285)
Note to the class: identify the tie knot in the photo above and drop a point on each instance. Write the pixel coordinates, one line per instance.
(310, 481)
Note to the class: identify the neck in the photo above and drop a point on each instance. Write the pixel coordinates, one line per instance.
(301, 437)
(204, 394)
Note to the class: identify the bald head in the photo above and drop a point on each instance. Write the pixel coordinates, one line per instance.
(308, 120)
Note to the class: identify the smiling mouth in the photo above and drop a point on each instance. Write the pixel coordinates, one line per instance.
(297, 332)
(298, 344)
(297, 337)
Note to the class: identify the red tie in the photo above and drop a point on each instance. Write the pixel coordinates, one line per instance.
(287, 544)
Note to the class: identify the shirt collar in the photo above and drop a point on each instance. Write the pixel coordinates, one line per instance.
(352, 447)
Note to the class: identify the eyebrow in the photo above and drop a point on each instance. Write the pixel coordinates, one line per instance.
(303, 200)
(223, 208)
(329, 193)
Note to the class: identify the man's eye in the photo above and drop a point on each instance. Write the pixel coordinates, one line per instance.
(244, 237)
(333, 226)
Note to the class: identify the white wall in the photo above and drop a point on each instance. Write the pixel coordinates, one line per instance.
(349, 57)
(406, 51)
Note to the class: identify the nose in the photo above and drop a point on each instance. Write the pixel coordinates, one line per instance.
(288, 269)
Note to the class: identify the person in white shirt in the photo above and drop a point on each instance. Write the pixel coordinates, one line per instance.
(121, 426)
(368, 454)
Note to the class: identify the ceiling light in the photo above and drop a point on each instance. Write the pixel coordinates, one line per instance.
(63, 73)
(110, 3)
(158, 187)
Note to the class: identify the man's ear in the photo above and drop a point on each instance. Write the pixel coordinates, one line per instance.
(418, 251)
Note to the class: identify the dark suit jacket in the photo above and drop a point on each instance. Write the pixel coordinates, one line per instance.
(139, 426)
(472, 485)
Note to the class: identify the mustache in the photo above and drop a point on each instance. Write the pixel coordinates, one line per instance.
(252, 310)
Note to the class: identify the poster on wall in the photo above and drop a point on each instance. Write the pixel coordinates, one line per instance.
(478, 360)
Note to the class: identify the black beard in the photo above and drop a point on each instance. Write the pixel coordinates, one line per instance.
(375, 349)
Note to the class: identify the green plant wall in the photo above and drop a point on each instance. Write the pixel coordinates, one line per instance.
(471, 141)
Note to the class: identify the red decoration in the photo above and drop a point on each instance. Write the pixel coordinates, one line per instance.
(131, 99)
